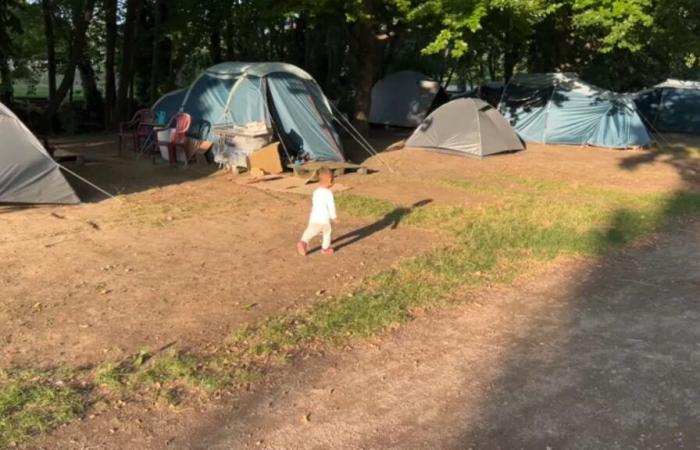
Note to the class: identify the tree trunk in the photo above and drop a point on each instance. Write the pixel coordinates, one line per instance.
(93, 98)
(215, 45)
(509, 61)
(369, 55)
(6, 90)
(77, 46)
(48, 7)
(156, 54)
(229, 40)
(126, 71)
(492, 66)
(110, 56)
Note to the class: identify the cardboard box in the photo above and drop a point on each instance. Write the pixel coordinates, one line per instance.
(266, 161)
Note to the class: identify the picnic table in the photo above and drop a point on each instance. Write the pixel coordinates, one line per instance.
(309, 169)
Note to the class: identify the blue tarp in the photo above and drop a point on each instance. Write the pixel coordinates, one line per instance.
(672, 106)
(560, 109)
(283, 96)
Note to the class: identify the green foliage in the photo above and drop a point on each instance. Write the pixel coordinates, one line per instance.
(621, 24)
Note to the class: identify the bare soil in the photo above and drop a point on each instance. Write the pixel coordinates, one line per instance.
(187, 263)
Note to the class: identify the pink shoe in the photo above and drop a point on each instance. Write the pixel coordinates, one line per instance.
(301, 248)
(327, 251)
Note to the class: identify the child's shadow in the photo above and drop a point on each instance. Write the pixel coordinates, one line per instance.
(390, 220)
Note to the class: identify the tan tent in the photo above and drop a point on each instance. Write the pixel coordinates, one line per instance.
(27, 172)
(466, 126)
(403, 99)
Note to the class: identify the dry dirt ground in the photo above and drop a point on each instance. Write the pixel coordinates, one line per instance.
(189, 256)
(587, 355)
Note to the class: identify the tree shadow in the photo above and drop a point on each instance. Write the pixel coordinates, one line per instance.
(679, 157)
(390, 220)
(608, 357)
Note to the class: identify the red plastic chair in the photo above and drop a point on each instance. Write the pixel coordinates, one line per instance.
(137, 129)
(181, 122)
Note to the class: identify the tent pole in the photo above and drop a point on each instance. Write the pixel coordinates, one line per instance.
(89, 183)
(366, 146)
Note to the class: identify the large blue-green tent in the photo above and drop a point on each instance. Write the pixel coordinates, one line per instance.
(672, 106)
(559, 108)
(282, 95)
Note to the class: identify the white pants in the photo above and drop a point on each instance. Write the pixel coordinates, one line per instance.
(314, 229)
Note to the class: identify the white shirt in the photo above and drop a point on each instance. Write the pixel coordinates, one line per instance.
(323, 206)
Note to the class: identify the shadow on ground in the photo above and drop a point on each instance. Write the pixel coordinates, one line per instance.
(119, 173)
(390, 220)
(129, 172)
(615, 363)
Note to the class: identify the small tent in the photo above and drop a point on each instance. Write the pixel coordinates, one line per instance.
(404, 99)
(672, 106)
(28, 174)
(559, 108)
(466, 126)
(282, 95)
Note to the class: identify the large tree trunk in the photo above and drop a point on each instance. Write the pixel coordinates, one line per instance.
(229, 40)
(215, 44)
(126, 72)
(369, 51)
(82, 21)
(510, 59)
(93, 98)
(6, 90)
(156, 54)
(48, 8)
(110, 56)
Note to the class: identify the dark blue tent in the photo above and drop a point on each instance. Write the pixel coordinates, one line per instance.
(672, 106)
(559, 108)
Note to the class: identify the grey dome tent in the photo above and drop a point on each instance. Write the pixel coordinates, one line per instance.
(27, 173)
(282, 95)
(404, 99)
(672, 106)
(466, 126)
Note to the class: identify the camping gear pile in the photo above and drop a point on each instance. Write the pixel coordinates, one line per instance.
(236, 145)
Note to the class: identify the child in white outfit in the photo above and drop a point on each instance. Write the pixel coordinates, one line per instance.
(322, 215)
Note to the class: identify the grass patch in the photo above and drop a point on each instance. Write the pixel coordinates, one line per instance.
(171, 374)
(361, 206)
(494, 244)
(33, 402)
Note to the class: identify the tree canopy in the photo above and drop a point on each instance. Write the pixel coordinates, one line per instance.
(128, 52)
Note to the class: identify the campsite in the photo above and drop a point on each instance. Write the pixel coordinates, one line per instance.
(514, 208)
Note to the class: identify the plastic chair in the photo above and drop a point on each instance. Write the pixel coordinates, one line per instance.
(181, 123)
(137, 129)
